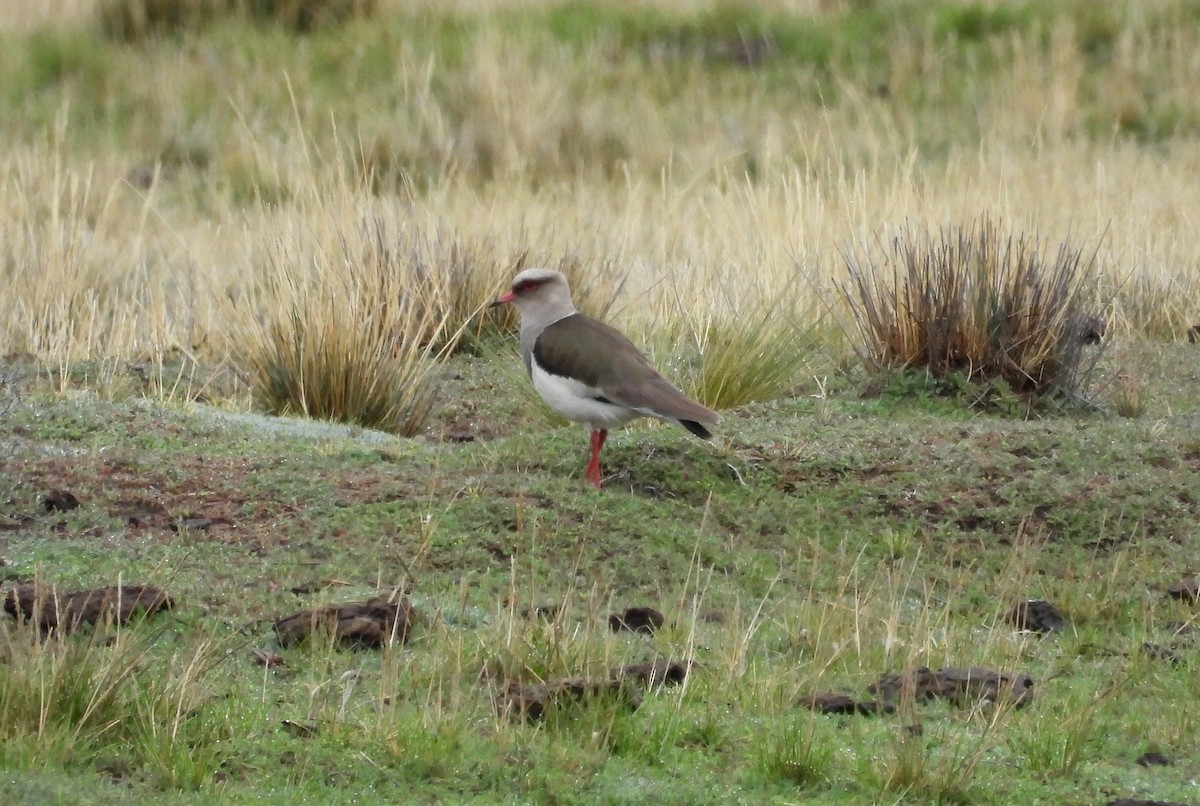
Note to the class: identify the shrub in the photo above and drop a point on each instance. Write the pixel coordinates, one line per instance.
(976, 305)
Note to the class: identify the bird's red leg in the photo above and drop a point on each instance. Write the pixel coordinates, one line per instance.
(592, 473)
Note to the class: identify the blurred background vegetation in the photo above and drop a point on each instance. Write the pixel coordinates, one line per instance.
(705, 168)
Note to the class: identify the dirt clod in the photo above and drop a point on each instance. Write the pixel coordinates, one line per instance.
(459, 431)
(532, 701)
(373, 623)
(960, 684)
(636, 619)
(1037, 615)
(1187, 589)
(265, 657)
(655, 673)
(1090, 329)
(1165, 652)
(1153, 758)
(60, 501)
(826, 702)
(51, 610)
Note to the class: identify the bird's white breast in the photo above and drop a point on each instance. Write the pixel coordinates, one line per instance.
(577, 401)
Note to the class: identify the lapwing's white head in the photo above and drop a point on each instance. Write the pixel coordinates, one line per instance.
(541, 296)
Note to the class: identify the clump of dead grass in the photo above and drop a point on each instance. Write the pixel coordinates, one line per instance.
(977, 305)
(78, 283)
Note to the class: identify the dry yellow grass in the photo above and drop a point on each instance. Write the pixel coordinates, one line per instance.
(703, 206)
(978, 304)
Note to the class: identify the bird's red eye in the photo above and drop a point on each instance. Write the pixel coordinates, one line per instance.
(525, 285)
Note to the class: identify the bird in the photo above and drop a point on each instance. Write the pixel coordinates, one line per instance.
(588, 371)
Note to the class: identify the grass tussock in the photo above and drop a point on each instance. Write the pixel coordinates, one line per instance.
(346, 329)
(87, 697)
(60, 693)
(1128, 396)
(729, 361)
(976, 305)
(81, 283)
(350, 321)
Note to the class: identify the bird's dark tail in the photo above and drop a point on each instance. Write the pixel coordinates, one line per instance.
(696, 428)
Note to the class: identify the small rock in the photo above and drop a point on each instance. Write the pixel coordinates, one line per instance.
(636, 619)
(1037, 615)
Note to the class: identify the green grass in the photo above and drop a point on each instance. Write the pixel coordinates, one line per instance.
(799, 59)
(700, 175)
(807, 552)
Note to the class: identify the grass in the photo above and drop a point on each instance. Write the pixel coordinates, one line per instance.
(978, 307)
(310, 221)
(355, 341)
(860, 549)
